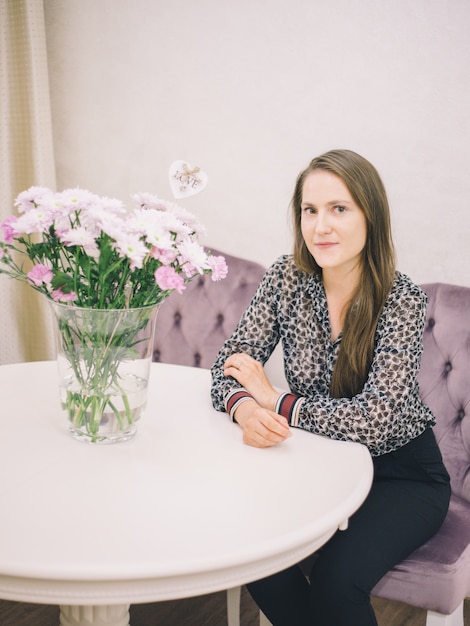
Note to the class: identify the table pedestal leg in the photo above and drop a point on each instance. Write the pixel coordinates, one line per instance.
(112, 615)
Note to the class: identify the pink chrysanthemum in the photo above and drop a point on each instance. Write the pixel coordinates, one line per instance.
(40, 275)
(59, 296)
(167, 278)
(9, 232)
(218, 266)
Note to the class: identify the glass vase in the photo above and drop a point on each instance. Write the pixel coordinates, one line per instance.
(103, 358)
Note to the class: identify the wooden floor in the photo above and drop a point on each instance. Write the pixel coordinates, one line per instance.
(202, 611)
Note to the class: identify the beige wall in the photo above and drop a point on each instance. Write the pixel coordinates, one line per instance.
(250, 90)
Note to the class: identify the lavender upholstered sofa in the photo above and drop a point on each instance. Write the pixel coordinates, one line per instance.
(191, 329)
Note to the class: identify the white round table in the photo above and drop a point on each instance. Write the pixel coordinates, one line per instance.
(183, 509)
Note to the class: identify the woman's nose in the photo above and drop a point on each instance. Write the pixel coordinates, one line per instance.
(323, 224)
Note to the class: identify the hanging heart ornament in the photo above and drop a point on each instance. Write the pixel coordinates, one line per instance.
(186, 180)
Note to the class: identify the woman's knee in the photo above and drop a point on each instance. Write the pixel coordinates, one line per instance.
(330, 580)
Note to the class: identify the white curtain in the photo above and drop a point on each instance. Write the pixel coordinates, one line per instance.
(26, 159)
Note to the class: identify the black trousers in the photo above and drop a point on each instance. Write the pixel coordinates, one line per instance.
(406, 506)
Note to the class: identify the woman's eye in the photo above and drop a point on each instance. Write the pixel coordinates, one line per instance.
(339, 208)
(309, 210)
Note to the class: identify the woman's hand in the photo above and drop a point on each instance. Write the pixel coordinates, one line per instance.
(251, 375)
(261, 428)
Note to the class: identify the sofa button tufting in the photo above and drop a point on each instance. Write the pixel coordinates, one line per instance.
(197, 360)
(219, 319)
(177, 318)
(447, 367)
(431, 322)
(460, 415)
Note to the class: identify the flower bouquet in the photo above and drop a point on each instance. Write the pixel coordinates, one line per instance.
(105, 270)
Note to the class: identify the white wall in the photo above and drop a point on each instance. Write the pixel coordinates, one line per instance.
(251, 90)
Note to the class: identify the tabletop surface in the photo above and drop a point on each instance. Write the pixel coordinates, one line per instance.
(183, 508)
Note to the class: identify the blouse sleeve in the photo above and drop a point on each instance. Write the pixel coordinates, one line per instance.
(257, 334)
(390, 394)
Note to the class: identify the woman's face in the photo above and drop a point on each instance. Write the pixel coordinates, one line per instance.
(333, 226)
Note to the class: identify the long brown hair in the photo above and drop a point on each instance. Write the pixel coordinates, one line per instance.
(377, 264)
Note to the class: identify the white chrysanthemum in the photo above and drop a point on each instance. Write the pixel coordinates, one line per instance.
(132, 247)
(97, 218)
(76, 199)
(176, 226)
(189, 219)
(193, 253)
(81, 237)
(142, 220)
(30, 198)
(150, 201)
(111, 205)
(37, 220)
(153, 226)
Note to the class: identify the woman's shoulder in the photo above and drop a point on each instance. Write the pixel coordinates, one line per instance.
(285, 266)
(285, 261)
(404, 288)
(285, 277)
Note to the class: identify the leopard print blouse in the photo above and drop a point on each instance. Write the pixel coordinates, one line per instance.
(290, 306)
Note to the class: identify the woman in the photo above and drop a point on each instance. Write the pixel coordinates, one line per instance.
(351, 328)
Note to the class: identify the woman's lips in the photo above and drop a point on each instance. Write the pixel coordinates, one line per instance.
(323, 245)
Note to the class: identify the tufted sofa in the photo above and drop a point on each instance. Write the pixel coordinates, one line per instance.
(437, 575)
(191, 327)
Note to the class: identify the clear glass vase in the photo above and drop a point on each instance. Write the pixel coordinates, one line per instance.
(103, 358)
